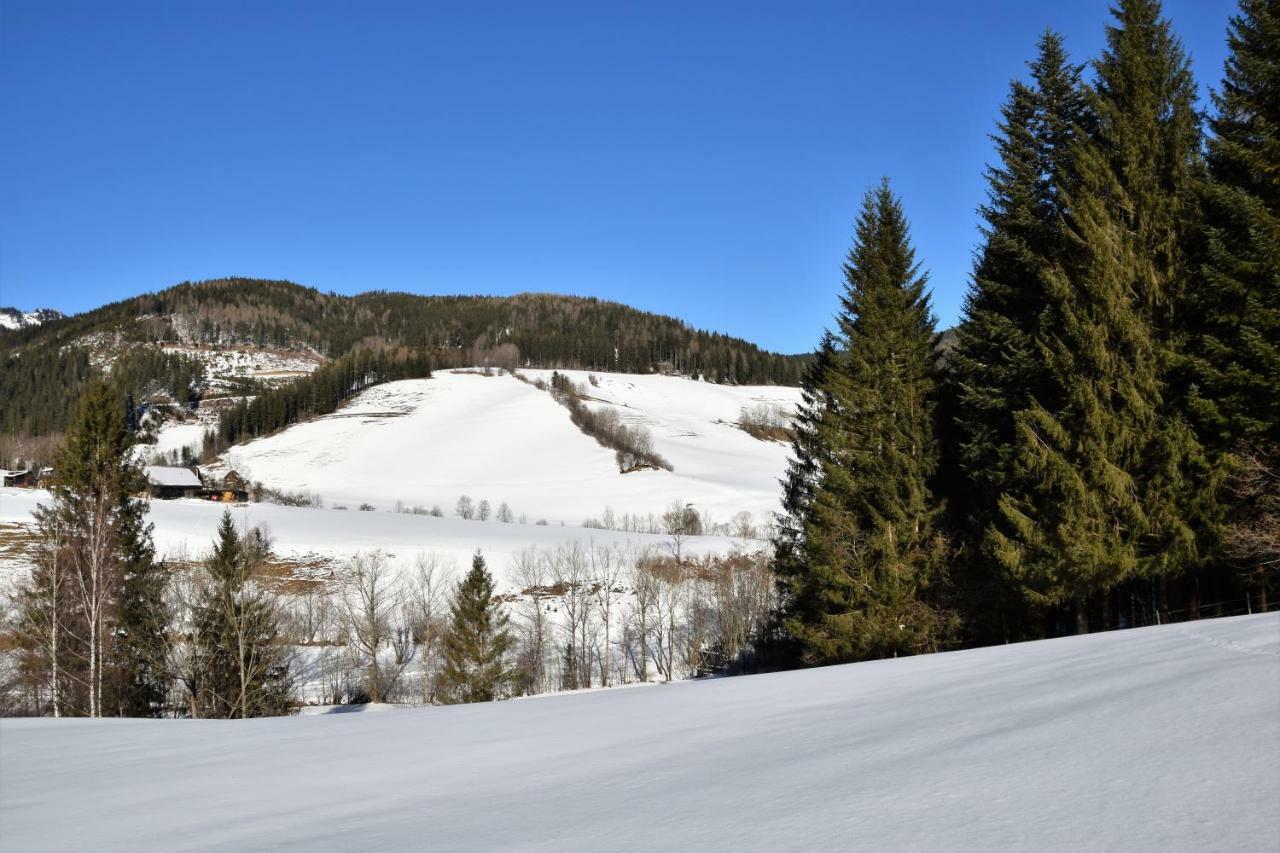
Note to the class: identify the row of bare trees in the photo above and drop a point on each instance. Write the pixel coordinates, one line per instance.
(742, 525)
(582, 615)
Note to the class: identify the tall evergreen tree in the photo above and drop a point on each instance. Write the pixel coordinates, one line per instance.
(1234, 352)
(141, 643)
(997, 367)
(1105, 476)
(801, 480)
(99, 532)
(477, 642)
(864, 548)
(241, 664)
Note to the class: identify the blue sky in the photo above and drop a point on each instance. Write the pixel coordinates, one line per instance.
(698, 159)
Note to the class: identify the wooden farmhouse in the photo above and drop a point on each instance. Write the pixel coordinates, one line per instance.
(167, 482)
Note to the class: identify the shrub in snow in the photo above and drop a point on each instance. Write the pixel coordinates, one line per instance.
(765, 421)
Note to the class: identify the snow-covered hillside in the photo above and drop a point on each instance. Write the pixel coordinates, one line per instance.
(12, 318)
(428, 442)
(224, 365)
(1160, 739)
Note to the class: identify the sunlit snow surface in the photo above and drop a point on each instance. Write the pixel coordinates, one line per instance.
(429, 441)
(1155, 739)
(186, 528)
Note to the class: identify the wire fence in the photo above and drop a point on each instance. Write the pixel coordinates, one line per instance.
(1141, 613)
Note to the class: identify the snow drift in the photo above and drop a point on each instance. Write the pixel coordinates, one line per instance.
(1161, 738)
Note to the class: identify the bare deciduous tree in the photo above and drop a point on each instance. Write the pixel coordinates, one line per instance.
(644, 589)
(571, 579)
(530, 574)
(606, 573)
(370, 597)
(432, 584)
(1255, 538)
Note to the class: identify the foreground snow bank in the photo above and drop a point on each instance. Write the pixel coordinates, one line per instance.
(1154, 739)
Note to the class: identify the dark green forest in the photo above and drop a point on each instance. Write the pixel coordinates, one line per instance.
(1101, 446)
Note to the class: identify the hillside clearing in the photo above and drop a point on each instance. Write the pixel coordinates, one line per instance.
(429, 441)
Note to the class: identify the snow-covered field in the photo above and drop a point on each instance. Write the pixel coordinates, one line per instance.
(427, 442)
(1159, 739)
(186, 528)
(174, 438)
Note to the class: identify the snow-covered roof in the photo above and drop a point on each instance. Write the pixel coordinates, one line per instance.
(163, 475)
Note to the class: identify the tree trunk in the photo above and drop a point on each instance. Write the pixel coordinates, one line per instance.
(1193, 597)
(426, 671)
(644, 647)
(55, 688)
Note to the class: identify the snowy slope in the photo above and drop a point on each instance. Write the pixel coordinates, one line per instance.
(186, 528)
(12, 318)
(429, 441)
(1155, 739)
(224, 365)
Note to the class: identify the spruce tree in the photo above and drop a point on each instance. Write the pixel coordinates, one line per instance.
(99, 533)
(240, 660)
(997, 367)
(801, 480)
(142, 644)
(863, 547)
(1234, 352)
(1104, 478)
(477, 642)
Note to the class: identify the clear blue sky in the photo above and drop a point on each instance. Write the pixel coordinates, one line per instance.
(699, 159)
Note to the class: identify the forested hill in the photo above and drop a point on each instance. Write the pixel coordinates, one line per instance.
(42, 365)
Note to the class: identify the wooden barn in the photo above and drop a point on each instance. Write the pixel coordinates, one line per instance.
(232, 488)
(23, 478)
(167, 482)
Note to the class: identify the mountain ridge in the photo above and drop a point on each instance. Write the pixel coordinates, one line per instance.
(163, 340)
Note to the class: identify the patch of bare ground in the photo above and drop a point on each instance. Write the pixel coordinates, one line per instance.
(297, 575)
(17, 543)
(768, 433)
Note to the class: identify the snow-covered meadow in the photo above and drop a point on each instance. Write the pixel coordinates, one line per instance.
(1160, 739)
(425, 443)
(185, 529)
